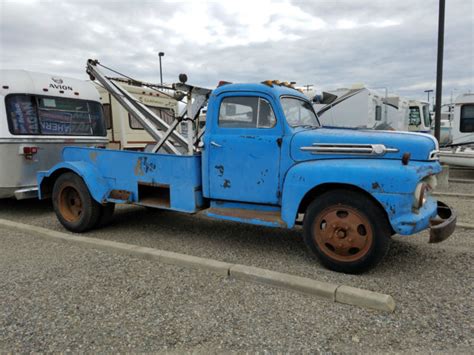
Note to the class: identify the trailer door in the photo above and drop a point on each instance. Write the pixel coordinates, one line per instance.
(244, 151)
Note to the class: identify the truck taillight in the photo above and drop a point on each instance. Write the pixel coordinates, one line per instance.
(28, 152)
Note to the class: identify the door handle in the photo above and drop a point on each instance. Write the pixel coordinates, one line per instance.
(214, 144)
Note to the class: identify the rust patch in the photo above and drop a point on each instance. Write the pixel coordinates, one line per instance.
(93, 156)
(406, 158)
(138, 168)
(220, 170)
(120, 195)
(226, 184)
(376, 187)
(143, 166)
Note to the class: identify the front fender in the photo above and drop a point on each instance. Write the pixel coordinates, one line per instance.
(390, 182)
(97, 185)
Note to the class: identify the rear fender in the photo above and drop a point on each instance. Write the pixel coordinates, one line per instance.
(97, 185)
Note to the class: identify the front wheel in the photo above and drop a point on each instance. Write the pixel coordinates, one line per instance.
(73, 204)
(346, 231)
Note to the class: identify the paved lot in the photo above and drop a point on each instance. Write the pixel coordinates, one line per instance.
(56, 296)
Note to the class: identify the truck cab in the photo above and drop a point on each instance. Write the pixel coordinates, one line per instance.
(265, 159)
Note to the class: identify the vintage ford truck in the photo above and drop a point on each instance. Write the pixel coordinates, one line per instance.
(264, 159)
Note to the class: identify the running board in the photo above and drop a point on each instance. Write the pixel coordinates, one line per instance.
(258, 217)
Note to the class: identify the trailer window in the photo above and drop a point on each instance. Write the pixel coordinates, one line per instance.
(378, 113)
(33, 115)
(467, 118)
(107, 116)
(22, 114)
(426, 116)
(69, 117)
(246, 112)
(166, 114)
(415, 117)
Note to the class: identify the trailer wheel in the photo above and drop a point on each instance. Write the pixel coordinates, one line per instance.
(74, 206)
(106, 214)
(346, 231)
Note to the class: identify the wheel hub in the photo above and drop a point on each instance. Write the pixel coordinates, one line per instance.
(343, 233)
(70, 203)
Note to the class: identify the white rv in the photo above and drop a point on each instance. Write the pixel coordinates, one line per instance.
(123, 131)
(420, 119)
(352, 108)
(462, 129)
(462, 132)
(39, 115)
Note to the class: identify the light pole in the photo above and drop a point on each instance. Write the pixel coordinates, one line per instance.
(428, 92)
(439, 69)
(161, 54)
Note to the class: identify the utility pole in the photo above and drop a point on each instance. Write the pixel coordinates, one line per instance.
(439, 69)
(161, 54)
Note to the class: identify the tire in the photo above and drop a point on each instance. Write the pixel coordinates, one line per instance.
(346, 231)
(105, 215)
(73, 204)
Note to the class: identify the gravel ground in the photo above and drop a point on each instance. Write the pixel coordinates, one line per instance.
(432, 285)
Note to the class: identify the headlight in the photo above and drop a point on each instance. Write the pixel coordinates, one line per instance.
(427, 184)
(419, 196)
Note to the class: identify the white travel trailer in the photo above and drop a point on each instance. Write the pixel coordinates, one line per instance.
(462, 132)
(352, 108)
(39, 115)
(420, 119)
(125, 132)
(462, 129)
(398, 112)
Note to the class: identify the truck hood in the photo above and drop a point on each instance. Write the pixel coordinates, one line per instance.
(332, 143)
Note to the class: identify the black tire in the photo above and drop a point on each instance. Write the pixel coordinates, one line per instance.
(73, 204)
(330, 231)
(106, 214)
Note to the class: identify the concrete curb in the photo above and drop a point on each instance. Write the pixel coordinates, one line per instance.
(464, 225)
(302, 284)
(332, 292)
(453, 194)
(365, 299)
(461, 181)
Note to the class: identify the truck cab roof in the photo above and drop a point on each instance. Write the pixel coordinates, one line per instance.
(276, 91)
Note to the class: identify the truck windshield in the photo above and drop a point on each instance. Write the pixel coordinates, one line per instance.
(299, 113)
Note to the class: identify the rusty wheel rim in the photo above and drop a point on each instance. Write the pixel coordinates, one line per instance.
(70, 203)
(343, 233)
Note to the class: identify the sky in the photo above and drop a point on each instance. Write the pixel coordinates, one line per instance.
(329, 44)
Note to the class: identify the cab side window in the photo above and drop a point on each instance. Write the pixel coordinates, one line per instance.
(246, 112)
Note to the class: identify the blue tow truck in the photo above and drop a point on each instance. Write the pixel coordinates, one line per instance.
(262, 159)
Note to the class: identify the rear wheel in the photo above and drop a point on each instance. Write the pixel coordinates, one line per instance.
(347, 231)
(74, 206)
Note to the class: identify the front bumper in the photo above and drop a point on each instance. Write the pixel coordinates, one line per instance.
(443, 225)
